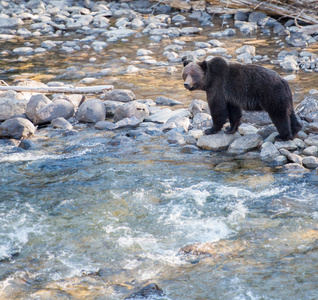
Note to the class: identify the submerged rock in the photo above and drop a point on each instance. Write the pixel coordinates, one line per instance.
(150, 291)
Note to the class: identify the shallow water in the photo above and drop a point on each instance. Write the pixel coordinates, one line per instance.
(93, 216)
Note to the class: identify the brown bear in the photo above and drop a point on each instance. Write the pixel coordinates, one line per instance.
(231, 87)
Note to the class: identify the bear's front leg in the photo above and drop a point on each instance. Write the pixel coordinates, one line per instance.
(235, 114)
(218, 111)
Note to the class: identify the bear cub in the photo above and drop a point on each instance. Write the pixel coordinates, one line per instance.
(231, 87)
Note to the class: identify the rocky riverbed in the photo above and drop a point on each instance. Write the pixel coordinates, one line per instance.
(136, 48)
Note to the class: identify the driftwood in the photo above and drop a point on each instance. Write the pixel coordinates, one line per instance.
(299, 10)
(98, 89)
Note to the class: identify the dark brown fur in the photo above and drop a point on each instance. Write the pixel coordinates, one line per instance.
(231, 87)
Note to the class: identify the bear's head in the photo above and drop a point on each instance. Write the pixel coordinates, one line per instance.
(193, 74)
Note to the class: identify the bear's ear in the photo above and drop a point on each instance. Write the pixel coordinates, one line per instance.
(203, 65)
(185, 61)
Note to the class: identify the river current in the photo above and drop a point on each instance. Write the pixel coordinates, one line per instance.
(96, 215)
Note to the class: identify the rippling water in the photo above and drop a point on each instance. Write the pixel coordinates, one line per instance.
(94, 216)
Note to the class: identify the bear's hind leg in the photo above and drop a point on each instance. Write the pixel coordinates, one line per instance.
(235, 114)
(294, 124)
(219, 115)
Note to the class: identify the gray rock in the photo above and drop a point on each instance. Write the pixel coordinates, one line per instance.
(229, 32)
(217, 50)
(256, 16)
(16, 128)
(245, 129)
(311, 151)
(105, 125)
(134, 108)
(297, 39)
(195, 133)
(28, 145)
(75, 99)
(245, 58)
(279, 160)
(307, 106)
(119, 95)
(59, 108)
(111, 106)
(119, 33)
(312, 140)
(268, 152)
(35, 103)
(23, 51)
(201, 120)
(288, 145)
(245, 143)
(190, 30)
(310, 162)
(241, 16)
(176, 138)
(128, 122)
(217, 142)
(10, 22)
(61, 123)
(216, 43)
(294, 169)
(292, 157)
(182, 122)
(163, 115)
(10, 105)
(29, 83)
(246, 49)
(199, 106)
(256, 118)
(167, 101)
(289, 64)
(91, 111)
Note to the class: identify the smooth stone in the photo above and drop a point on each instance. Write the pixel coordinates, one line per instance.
(294, 169)
(268, 152)
(121, 95)
(176, 138)
(310, 162)
(217, 142)
(10, 105)
(161, 100)
(245, 143)
(91, 111)
(61, 123)
(130, 109)
(16, 128)
(105, 125)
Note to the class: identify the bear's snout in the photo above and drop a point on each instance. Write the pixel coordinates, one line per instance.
(187, 85)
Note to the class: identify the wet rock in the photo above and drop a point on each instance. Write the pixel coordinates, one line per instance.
(310, 162)
(245, 143)
(134, 108)
(196, 133)
(297, 39)
(53, 110)
(10, 22)
(201, 120)
(246, 49)
(215, 43)
(163, 115)
(308, 106)
(216, 142)
(75, 99)
(111, 106)
(311, 151)
(119, 95)
(199, 106)
(244, 129)
(294, 169)
(288, 145)
(128, 122)
(226, 166)
(11, 105)
(119, 33)
(61, 123)
(182, 122)
(292, 157)
(91, 111)
(150, 291)
(105, 125)
(28, 145)
(280, 160)
(312, 140)
(175, 138)
(16, 128)
(190, 30)
(241, 16)
(167, 101)
(229, 32)
(256, 16)
(268, 152)
(23, 51)
(245, 27)
(36, 102)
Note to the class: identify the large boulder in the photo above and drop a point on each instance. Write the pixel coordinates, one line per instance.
(134, 108)
(16, 128)
(119, 95)
(10, 105)
(245, 143)
(217, 142)
(36, 103)
(91, 111)
(59, 108)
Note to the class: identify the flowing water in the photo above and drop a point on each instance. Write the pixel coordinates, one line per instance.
(95, 215)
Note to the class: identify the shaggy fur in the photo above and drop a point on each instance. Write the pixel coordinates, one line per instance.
(231, 87)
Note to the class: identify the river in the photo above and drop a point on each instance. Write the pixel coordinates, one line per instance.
(95, 214)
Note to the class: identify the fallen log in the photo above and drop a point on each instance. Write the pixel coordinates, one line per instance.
(98, 89)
